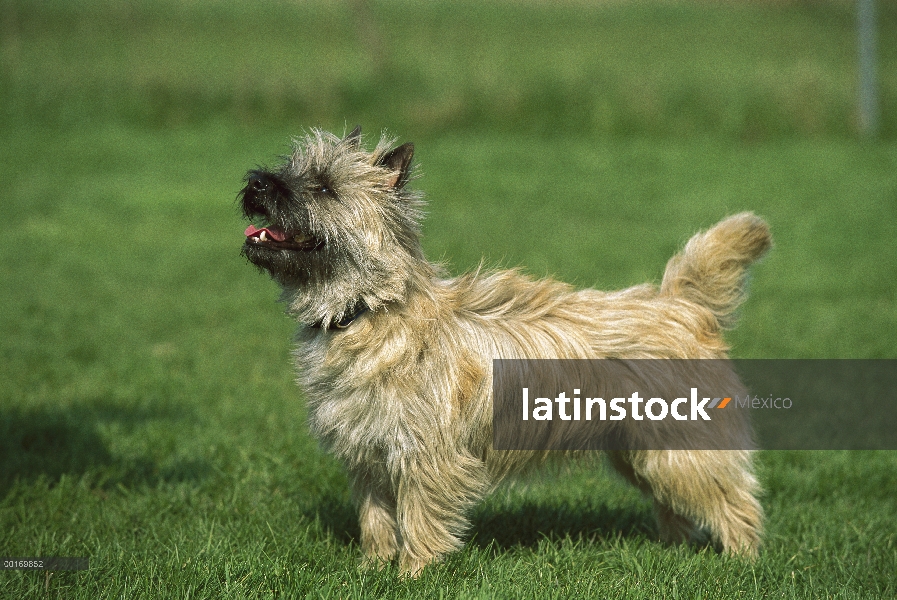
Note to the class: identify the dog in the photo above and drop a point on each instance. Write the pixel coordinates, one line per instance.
(395, 357)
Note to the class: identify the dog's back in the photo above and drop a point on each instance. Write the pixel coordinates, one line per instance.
(701, 290)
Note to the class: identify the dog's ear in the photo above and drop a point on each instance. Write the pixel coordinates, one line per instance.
(353, 140)
(399, 161)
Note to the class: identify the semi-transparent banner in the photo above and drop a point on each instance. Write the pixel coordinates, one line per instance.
(649, 404)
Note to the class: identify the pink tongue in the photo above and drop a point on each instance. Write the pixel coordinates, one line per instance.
(278, 235)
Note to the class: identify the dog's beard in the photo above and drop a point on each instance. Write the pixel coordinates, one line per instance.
(289, 266)
(323, 280)
(280, 239)
(298, 254)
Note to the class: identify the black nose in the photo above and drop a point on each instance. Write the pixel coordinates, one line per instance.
(258, 182)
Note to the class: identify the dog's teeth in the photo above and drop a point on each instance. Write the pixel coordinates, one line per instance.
(263, 237)
(300, 238)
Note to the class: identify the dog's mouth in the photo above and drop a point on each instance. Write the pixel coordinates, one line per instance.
(277, 238)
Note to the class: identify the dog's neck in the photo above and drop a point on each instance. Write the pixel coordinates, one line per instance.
(345, 321)
(327, 304)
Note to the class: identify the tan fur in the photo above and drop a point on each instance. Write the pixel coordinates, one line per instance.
(403, 395)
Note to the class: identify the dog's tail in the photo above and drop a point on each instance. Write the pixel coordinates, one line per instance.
(712, 268)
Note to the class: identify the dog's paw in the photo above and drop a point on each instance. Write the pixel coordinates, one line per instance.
(411, 567)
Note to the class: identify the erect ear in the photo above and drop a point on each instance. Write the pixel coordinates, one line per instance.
(398, 160)
(353, 140)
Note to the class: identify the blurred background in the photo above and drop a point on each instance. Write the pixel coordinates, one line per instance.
(748, 70)
(146, 364)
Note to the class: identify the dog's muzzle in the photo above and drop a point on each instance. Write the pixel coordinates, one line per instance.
(259, 199)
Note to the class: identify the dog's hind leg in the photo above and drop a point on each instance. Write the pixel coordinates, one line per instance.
(695, 490)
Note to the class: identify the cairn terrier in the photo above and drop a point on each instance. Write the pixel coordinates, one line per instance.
(395, 358)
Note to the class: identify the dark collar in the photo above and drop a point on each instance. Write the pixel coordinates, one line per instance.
(347, 319)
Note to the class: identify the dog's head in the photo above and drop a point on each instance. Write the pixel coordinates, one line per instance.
(334, 224)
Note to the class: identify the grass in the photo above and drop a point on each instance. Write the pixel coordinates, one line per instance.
(148, 417)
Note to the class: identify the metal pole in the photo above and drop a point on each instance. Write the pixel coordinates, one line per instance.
(868, 100)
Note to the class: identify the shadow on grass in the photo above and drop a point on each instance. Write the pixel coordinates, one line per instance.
(338, 518)
(525, 524)
(532, 521)
(49, 443)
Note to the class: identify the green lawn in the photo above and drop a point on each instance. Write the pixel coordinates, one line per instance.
(148, 416)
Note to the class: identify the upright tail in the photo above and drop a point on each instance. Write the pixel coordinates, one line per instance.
(712, 268)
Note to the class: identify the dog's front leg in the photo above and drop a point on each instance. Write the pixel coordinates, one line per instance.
(434, 494)
(377, 519)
